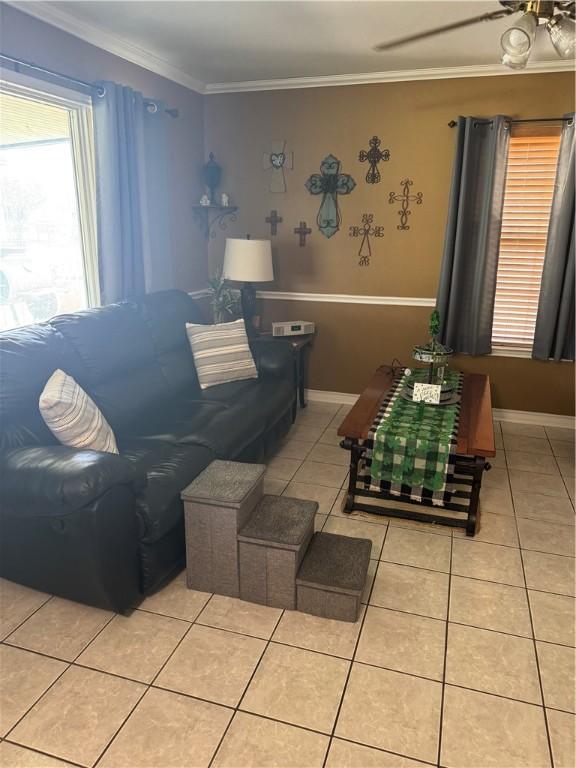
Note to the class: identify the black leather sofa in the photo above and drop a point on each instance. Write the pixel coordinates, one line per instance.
(103, 528)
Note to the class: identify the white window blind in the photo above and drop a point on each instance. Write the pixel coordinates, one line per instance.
(530, 179)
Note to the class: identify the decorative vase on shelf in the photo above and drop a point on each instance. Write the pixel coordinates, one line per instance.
(211, 175)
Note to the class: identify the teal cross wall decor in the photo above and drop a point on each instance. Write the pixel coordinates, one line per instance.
(330, 183)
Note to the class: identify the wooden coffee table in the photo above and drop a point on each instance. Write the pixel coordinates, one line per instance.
(475, 445)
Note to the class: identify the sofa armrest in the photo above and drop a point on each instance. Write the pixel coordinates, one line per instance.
(273, 359)
(41, 481)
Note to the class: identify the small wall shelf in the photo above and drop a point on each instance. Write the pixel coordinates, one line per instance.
(208, 216)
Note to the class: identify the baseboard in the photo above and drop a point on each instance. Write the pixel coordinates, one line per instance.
(339, 398)
(533, 417)
(500, 414)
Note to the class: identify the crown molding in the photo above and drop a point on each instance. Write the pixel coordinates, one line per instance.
(108, 41)
(399, 76)
(346, 298)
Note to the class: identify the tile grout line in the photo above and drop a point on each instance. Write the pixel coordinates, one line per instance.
(534, 646)
(443, 693)
(40, 752)
(69, 665)
(249, 682)
(352, 660)
(17, 627)
(564, 479)
(384, 751)
(149, 685)
(270, 640)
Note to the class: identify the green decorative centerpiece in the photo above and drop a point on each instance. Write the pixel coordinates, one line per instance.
(436, 355)
(433, 352)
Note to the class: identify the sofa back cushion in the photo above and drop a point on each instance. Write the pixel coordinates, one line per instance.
(166, 314)
(28, 357)
(115, 362)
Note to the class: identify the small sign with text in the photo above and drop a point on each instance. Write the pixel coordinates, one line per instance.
(426, 393)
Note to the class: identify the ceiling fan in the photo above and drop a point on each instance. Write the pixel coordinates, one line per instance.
(557, 16)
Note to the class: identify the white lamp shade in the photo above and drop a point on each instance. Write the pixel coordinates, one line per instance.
(248, 261)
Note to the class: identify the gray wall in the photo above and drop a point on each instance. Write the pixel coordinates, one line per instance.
(32, 40)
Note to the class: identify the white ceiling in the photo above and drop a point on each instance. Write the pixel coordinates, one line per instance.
(224, 42)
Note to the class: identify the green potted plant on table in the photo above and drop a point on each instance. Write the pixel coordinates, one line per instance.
(223, 300)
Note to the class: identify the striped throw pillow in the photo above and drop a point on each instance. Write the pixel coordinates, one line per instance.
(73, 417)
(221, 353)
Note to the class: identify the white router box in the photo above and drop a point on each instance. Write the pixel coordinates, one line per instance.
(292, 328)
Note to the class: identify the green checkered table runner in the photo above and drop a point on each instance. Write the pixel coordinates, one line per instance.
(414, 444)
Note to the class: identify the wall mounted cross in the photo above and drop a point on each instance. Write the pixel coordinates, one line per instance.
(273, 220)
(277, 161)
(330, 183)
(405, 198)
(303, 231)
(366, 230)
(373, 156)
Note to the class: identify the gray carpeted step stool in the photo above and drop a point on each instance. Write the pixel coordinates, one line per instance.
(271, 547)
(217, 504)
(332, 576)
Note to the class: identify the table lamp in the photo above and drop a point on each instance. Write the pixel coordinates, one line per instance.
(248, 261)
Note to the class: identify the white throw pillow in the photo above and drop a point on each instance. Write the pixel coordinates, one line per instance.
(221, 353)
(73, 417)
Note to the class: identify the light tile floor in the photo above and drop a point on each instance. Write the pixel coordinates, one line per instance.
(463, 656)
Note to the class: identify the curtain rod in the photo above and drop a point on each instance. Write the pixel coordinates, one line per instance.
(453, 123)
(82, 83)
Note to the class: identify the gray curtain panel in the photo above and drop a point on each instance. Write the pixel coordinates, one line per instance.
(468, 275)
(133, 193)
(554, 335)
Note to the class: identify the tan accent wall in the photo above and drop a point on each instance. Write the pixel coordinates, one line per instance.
(352, 340)
(411, 119)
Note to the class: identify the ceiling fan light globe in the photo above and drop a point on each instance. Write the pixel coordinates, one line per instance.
(562, 32)
(515, 62)
(519, 38)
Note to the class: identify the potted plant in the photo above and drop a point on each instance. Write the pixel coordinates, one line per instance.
(224, 302)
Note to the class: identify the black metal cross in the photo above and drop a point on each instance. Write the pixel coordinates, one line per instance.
(374, 155)
(303, 231)
(405, 199)
(273, 220)
(366, 230)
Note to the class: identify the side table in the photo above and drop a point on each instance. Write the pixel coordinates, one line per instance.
(299, 346)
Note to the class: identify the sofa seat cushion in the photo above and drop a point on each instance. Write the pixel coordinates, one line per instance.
(232, 430)
(224, 428)
(270, 397)
(174, 422)
(168, 469)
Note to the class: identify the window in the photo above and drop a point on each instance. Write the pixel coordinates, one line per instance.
(530, 178)
(48, 261)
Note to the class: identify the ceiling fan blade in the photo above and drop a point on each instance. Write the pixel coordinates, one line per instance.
(446, 28)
